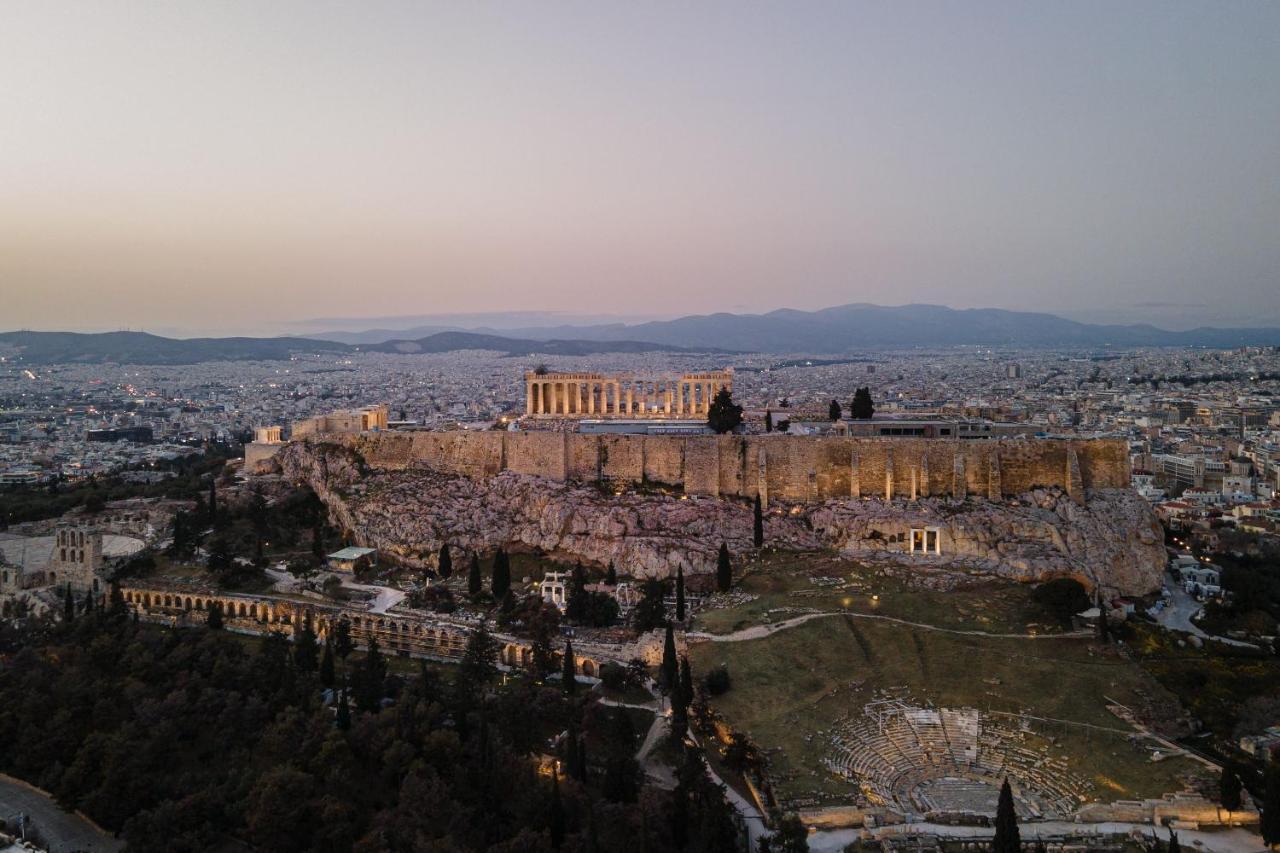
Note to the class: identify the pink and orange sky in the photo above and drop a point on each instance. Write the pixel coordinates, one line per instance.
(235, 166)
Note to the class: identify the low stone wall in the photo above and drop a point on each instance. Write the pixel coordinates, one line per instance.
(793, 468)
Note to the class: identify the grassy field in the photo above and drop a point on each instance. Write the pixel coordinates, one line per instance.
(787, 584)
(791, 688)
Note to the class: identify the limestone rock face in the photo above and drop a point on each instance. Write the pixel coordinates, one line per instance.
(1113, 540)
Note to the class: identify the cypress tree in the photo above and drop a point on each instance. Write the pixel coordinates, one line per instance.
(501, 581)
(473, 576)
(343, 718)
(768, 421)
(213, 499)
(568, 674)
(833, 410)
(326, 665)
(1007, 837)
(686, 680)
(88, 603)
(757, 532)
(555, 815)
(317, 543)
(445, 565)
(582, 761)
(571, 756)
(1271, 804)
(68, 605)
(1229, 788)
(611, 575)
(1173, 846)
(214, 619)
(1104, 630)
(342, 643)
(669, 674)
(724, 569)
(680, 594)
(304, 647)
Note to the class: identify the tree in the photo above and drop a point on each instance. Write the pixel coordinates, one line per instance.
(576, 603)
(1229, 788)
(342, 642)
(724, 569)
(213, 499)
(757, 530)
(327, 675)
(214, 619)
(555, 813)
(444, 566)
(304, 647)
(473, 576)
(1271, 803)
(651, 611)
(1007, 837)
(501, 581)
(723, 415)
(680, 594)
(833, 410)
(792, 837)
(479, 664)
(768, 421)
(569, 672)
(862, 409)
(611, 575)
(1104, 629)
(343, 718)
(369, 678)
(68, 605)
(686, 680)
(669, 674)
(1173, 846)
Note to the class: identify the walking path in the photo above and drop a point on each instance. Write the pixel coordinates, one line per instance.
(59, 830)
(757, 632)
(1177, 617)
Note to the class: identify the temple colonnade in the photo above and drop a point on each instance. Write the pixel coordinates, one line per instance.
(600, 395)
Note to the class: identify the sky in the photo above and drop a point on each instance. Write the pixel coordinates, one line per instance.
(209, 168)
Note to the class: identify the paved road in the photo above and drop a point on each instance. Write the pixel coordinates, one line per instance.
(1219, 841)
(1176, 616)
(62, 831)
(756, 632)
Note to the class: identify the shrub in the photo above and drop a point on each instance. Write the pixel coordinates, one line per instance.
(718, 681)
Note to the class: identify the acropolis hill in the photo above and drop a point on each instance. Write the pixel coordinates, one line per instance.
(652, 503)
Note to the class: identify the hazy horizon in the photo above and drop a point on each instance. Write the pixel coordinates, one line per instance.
(191, 168)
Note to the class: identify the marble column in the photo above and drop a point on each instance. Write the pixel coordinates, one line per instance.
(666, 398)
(631, 396)
(528, 398)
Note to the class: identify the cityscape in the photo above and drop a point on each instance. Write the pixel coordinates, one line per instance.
(668, 429)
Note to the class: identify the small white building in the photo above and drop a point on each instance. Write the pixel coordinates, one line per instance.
(555, 588)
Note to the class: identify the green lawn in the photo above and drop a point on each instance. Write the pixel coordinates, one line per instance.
(790, 688)
(788, 584)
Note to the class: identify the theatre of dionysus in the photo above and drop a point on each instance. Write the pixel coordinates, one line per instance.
(623, 395)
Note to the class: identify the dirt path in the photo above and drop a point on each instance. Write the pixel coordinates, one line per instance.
(756, 632)
(60, 830)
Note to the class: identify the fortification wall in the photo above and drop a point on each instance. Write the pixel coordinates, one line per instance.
(791, 468)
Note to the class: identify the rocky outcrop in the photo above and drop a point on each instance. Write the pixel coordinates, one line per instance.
(1112, 540)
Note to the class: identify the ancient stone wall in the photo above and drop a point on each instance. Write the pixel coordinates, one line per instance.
(793, 468)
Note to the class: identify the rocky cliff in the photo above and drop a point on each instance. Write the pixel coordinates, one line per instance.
(1113, 540)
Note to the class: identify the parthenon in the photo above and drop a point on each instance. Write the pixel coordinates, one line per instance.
(623, 395)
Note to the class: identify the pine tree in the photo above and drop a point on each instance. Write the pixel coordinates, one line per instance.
(723, 415)
(555, 814)
(1007, 837)
(214, 619)
(669, 674)
(479, 665)
(611, 575)
(343, 719)
(724, 569)
(304, 647)
(327, 674)
(444, 566)
(1271, 803)
(757, 532)
(501, 580)
(1229, 788)
(833, 410)
(68, 605)
(680, 594)
(568, 673)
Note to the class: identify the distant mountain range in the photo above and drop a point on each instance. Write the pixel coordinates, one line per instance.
(143, 348)
(846, 328)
